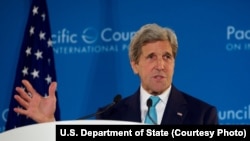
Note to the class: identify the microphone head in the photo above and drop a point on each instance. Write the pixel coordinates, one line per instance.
(117, 98)
(149, 102)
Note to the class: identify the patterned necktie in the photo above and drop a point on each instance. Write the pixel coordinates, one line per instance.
(151, 117)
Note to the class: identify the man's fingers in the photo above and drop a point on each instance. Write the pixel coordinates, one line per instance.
(23, 94)
(20, 111)
(21, 101)
(52, 89)
(29, 87)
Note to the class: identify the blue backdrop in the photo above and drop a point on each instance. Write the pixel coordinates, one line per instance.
(91, 40)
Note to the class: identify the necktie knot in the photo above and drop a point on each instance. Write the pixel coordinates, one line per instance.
(155, 100)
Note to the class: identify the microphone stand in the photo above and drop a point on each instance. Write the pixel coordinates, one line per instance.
(117, 98)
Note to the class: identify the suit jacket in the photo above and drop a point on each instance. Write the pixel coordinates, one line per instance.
(181, 108)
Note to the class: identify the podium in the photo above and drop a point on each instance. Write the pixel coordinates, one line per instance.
(47, 131)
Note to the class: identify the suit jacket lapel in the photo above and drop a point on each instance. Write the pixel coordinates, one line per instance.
(133, 108)
(176, 109)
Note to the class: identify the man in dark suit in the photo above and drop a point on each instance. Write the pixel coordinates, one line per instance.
(152, 55)
(181, 109)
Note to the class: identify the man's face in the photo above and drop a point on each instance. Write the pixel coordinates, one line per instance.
(155, 67)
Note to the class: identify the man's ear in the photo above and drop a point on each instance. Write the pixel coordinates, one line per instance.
(134, 67)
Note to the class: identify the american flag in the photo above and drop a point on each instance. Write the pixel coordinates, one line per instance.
(36, 61)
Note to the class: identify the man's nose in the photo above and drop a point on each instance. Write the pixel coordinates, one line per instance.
(160, 64)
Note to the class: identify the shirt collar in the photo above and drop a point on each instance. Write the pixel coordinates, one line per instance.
(145, 95)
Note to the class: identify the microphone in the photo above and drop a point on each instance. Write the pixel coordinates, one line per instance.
(116, 99)
(149, 104)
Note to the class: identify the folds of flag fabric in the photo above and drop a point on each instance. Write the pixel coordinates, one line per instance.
(36, 61)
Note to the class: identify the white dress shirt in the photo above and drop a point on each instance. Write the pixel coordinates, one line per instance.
(160, 107)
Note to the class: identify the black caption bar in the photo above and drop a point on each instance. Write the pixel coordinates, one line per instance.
(94, 132)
